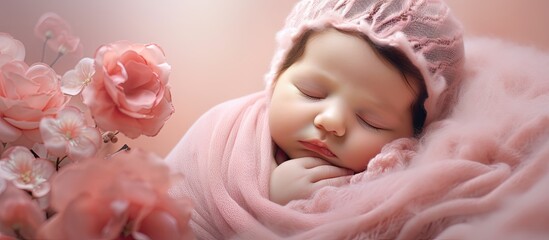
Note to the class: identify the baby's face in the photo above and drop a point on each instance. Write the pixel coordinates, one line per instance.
(340, 102)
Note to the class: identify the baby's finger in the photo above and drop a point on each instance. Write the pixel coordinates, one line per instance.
(327, 171)
(334, 182)
(310, 162)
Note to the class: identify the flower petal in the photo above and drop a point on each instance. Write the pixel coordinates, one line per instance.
(17, 85)
(155, 55)
(86, 67)
(72, 83)
(17, 153)
(71, 116)
(139, 73)
(41, 190)
(84, 147)
(8, 133)
(50, 25)
(11, 49)
(6, 172)
(93, 135)
(79, 224)
(66, 43)
(54, 140)
(42, 169)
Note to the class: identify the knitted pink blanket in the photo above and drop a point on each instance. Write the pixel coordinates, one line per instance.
(481, 173)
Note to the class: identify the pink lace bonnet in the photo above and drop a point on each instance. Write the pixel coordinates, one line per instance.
(424, 30)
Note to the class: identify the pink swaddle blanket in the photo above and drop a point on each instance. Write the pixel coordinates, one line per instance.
(481, 173)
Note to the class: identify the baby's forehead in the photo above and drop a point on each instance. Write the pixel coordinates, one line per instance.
(348, 57)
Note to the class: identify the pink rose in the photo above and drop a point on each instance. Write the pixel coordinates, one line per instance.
(27, 94)
(10, 49)
(129, 91)
(124, 196)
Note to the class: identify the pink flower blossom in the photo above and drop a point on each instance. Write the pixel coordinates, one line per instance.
(67, 134)
(51, 25)
(73, 81)
(129, 91)
(10, 49)
(26, 172)
(124, 196)
(66, 43)
(57, 32)
(19, 215)
(26, 95)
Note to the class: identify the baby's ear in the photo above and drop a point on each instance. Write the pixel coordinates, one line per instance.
(394, 156)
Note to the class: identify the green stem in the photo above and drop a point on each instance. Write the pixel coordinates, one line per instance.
(57, 58)
(34, 154)
(58, 163)
(44, 49)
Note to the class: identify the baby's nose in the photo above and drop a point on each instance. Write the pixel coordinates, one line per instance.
(332, 120)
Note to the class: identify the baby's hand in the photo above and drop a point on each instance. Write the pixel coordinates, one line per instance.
(299, 178)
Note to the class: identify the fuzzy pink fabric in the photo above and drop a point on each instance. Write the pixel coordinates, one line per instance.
(480, 173)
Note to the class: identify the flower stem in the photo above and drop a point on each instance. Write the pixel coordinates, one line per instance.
(34, 154)
(57, 58)
(58, 163)
(44, 49)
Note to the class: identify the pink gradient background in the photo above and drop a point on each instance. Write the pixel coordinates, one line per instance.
(220, 50)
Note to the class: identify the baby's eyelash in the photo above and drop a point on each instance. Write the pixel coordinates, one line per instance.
(367, 124)
(309, 95)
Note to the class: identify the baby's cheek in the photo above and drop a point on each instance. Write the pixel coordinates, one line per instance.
(360, 149)
(279, 126)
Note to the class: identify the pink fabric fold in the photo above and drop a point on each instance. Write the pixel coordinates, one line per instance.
(480, 173)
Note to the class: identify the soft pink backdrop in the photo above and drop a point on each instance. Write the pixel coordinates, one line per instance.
(221, 49)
